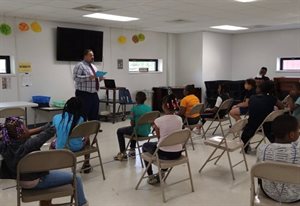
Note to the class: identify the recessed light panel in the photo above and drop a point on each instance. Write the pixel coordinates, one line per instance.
(229, 27)
(110, 17)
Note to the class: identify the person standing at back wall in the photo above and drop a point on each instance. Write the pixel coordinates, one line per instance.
(87, 85)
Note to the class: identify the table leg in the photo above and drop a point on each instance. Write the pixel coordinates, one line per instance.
(35, 117)
(26, 122)
(114, 106)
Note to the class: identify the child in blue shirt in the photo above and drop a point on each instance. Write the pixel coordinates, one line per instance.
(64, 123)
(136, 112)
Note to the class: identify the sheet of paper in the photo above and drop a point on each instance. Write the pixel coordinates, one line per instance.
(26, 80)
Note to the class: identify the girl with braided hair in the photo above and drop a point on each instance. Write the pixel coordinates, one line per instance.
(164, 126)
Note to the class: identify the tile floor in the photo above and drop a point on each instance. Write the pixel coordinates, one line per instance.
(213, 187)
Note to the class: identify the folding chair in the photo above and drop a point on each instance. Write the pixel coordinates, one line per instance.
(197, 109)
(221, 116)
(87, 129)
(223, 143)
(124, 100)
(260, 129)
(147, 118)
(39, 162)
(179, 137)
(275, 172)
(14, 112)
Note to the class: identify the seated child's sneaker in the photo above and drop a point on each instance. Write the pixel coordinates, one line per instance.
(120, 156)
(153, 180)
(86, 168)
(131, 153)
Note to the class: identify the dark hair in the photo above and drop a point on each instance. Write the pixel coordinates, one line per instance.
(85, 52)
(190, 88)
(171, 102)
(251, 82)
(297, 86)
(224, 88)
(140, 97)
(267, 87)
(283, 125)
(74, 107)
(264, 68)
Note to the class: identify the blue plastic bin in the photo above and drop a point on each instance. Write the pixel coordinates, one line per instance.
(42, 101)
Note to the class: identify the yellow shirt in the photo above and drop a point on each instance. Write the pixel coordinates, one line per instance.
(188, 102)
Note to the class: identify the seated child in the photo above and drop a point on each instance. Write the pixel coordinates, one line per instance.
(187, 103)
(164, 126)
(64, 124)
(136, 112)
(242, 108)
(260, 106)
(17, 143)
(211, 112)
(286, 149)
(293, 101)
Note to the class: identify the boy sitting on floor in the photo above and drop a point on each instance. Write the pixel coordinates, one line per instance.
(286, 148)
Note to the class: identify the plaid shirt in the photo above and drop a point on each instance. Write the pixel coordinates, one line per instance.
(81, 75)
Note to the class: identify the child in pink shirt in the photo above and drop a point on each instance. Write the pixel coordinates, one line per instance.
(164, 126)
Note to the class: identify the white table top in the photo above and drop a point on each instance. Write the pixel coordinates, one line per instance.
(50, 108)
(4, 105)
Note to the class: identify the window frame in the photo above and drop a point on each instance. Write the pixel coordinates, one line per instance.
(281, 62)
(144, 60)
(7, 64)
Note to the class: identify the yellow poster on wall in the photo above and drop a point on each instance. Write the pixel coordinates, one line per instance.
(24, 67)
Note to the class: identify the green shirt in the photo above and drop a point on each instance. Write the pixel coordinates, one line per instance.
(138, 111)
(296, 112)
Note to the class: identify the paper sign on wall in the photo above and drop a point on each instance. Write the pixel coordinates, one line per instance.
(6, 83)
(24, 67)
(26, 80)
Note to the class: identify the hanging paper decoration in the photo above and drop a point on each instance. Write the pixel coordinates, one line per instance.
(23, 26)
(122, 39)
(5, 29)
(135, 39)
(141, 37)
(36, 27)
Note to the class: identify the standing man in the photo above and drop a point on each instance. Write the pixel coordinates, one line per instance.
(262, 74)
(87, 85)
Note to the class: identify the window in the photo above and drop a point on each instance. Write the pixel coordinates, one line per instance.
(145, 65)
(4, 65)
(291, 64)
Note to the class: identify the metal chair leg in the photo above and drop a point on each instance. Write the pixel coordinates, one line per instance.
(219, 157)
(208, 159)
(230, 164)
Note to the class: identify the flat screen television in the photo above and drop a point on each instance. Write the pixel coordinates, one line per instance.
(71, 43)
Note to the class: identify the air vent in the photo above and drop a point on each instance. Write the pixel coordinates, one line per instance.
(92, 8)
(179, 21)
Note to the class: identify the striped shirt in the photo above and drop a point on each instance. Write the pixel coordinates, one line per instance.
(81, 75)
(286, 153)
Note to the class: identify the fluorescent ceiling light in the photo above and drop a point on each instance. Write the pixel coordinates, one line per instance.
(229, 27)
(245, 1)
(110, 17)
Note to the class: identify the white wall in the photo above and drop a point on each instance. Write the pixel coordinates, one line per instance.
(216, 56)
(53, 78)
(188, 60)
(251, 51)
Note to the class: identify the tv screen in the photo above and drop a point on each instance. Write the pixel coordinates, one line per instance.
(71, 43)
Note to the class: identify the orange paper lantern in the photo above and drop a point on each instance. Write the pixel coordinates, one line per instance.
(23, 26)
